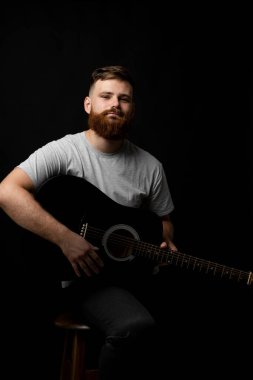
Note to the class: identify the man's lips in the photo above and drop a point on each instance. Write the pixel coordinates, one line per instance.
(113, 114)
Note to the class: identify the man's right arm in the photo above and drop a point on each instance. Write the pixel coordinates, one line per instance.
(18, 202)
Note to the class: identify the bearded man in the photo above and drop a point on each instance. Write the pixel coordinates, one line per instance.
(129, 176)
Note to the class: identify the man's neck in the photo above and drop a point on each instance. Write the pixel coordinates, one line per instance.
(102, 144)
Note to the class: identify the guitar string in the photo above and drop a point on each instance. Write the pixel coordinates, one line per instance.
(135, 243)
(183, 258)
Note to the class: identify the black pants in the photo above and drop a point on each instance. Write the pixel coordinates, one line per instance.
(152, 327)
(122, 314)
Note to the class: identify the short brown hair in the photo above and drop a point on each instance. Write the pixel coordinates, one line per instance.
(111, 72)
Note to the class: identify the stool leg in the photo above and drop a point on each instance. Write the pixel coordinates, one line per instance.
(78, 357)
(73, 365)
(65, 362)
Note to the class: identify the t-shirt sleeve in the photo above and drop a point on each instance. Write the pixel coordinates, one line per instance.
(46, 162)
(161, 201)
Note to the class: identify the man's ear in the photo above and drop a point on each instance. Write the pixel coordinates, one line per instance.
(87, 104)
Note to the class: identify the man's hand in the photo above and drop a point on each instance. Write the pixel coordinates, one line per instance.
(81, 254)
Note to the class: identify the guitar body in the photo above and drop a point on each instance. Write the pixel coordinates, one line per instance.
(78, 204)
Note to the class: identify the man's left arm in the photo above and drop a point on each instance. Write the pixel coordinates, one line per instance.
(168, 233)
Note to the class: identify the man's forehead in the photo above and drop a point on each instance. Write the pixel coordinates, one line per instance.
(113, 86)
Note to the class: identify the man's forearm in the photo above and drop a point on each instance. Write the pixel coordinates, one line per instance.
(22, 207)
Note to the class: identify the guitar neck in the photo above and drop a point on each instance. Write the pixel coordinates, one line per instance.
(186, 261)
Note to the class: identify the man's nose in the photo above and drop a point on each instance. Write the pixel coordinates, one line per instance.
(115, 102)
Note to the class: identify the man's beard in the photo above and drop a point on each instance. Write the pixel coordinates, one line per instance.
(109, 128)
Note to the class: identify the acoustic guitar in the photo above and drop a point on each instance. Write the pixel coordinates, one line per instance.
(123, 234)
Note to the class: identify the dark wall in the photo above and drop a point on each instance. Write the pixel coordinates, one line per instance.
(189, 65)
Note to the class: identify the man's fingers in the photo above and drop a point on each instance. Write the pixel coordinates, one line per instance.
(95, 257)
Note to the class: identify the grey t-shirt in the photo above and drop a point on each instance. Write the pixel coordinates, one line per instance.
(131, 176)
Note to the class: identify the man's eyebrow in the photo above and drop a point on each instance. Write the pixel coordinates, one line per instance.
(111, 93)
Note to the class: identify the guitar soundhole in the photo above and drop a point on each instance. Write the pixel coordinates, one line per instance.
(119, 242)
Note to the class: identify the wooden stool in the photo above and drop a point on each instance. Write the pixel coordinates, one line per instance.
(73, 362)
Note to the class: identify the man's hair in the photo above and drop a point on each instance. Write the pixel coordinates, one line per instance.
(111, 72)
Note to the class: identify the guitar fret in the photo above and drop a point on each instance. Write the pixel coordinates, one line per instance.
(186, 261)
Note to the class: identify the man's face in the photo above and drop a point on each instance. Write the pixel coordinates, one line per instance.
(110, 108)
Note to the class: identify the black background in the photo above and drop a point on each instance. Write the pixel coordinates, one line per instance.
(191, 70)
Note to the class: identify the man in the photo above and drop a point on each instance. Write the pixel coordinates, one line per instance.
(129, 176)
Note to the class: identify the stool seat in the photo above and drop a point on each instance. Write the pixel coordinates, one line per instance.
(70, 321)
(73, 363)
